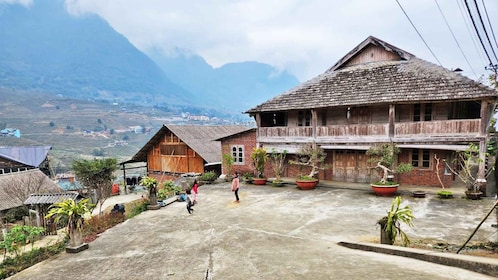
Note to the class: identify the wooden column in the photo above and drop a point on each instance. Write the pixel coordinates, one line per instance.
(392, 114)
(483, 143)
(257, 119)
(314, 120)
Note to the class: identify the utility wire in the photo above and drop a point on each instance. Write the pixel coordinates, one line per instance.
(485, 31)
(479, 51)
(477, 32)
(456, 41)
(418, 32)
(489, 23)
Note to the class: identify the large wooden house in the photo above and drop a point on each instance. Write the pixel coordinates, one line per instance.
(179, 149)
(379, 93)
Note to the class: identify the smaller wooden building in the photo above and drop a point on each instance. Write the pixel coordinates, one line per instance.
(179, 149)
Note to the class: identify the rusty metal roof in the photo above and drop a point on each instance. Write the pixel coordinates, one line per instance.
(405, 80)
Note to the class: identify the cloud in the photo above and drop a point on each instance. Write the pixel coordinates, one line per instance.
(303, 37)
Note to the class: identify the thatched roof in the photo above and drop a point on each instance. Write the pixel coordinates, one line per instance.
(406, 79)
(201, 138)
(33, 180)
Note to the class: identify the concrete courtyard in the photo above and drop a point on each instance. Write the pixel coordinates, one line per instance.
(274, 233)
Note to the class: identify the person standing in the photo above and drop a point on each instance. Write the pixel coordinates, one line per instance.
(195, 191)
(235, 186)
(190, 201)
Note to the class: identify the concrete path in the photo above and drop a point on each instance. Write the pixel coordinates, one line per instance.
(274, 233)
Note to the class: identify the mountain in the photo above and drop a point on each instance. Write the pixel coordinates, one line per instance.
(240, 86)
(43, 47)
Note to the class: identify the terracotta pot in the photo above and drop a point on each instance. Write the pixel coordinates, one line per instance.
(385, 190)
(259, 181)
(306, 184)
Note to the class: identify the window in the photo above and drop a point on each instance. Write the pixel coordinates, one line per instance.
(421, 158)
(304, 118)
(273, 119)
(422, 111)
(238, 154)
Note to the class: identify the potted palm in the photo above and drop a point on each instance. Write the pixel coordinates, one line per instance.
(390, 225)
(259, 158)
(278, 164)
(313, 156)
(385, 156)
(74, 214)
(151, 184)
(228, 161)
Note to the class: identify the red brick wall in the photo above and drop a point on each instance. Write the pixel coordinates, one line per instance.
(425, 177)
(248, 140)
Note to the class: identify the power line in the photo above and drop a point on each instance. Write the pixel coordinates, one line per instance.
(489, 23)
(484, 28)
(469, 31)
(477, 32)
(418, 33)
(456, 41)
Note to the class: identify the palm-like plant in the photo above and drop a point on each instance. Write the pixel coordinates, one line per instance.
(391, 224)
(259, 158)
(151, 184)
(74, 213)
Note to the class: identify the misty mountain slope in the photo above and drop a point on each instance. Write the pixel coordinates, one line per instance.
(43, 47)
(239, 86)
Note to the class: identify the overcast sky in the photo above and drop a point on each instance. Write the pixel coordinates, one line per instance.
(304, 37)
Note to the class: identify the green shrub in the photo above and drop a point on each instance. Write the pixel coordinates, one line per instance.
(169, 189)
(209, 176)
(138, 208)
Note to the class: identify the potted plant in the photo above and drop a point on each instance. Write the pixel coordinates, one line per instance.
(207, 177)
(385, 156)
(278, 164)
(259, 158)
(248, 177)
(151, 184)
(467, 164)
(443, 193)
(313, 156)
(74, 214)
(168, 190)
(228, 161)
(390, 225)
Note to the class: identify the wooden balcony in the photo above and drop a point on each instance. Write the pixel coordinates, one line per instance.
(417, 131)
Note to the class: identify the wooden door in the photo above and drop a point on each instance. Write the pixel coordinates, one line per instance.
(351, 166)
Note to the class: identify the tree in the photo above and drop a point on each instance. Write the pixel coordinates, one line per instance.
(98, 175)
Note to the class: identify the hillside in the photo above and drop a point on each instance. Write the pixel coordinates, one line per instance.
(42, 47)
(76, 128)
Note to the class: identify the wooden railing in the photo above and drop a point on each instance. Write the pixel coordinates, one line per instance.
(432, 128)
(450, 127)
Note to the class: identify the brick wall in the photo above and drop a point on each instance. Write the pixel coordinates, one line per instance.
(425, 177)
(246, 139)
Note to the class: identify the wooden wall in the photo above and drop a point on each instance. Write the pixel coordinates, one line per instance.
(173, 155)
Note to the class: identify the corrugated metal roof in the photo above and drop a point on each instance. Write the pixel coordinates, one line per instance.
(406, 80)
(201, 138)
(31, 180)
(28, 155)
(51, 198)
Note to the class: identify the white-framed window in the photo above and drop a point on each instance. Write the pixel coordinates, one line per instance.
(238, 154)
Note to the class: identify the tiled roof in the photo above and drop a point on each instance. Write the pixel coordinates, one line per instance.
(24, 179)
(201, 138)
(407, 80)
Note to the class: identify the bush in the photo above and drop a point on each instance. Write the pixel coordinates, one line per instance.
(209, 176)
(137, 208)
